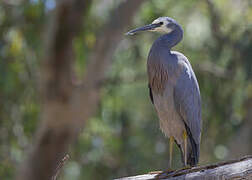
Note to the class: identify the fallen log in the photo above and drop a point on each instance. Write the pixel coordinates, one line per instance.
(229, 170)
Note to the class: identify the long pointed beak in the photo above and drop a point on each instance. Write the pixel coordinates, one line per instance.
(144, 28)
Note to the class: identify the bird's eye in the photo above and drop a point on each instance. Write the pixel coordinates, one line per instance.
(161, 23)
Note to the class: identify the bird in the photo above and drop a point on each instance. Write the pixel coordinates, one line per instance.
(174, 90)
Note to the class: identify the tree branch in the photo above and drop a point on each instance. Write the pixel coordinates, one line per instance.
(108, 40)
(215, 21)
(101, 58)
(60, 166)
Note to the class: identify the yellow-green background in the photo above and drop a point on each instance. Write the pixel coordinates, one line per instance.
(123, 138)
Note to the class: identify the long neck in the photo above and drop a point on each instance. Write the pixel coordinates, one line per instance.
(173, 38)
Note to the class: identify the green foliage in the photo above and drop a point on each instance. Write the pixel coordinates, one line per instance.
(123, 138)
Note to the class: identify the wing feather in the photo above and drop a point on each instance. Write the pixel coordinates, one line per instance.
(187, 100)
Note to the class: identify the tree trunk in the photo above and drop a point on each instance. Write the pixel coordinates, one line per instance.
(66, 106)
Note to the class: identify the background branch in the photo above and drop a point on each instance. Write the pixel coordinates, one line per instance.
(60, 166)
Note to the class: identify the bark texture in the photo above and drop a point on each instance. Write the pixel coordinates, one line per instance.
(231, 170)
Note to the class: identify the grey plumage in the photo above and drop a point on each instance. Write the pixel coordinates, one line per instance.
(174, 89)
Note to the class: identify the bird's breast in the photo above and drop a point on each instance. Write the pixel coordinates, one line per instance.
(170, 122)
(162, 73)
(158, 77)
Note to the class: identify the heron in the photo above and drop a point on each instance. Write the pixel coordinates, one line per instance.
(174, 90)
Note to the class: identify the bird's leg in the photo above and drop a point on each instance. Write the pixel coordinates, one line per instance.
(185, 147)
(170, 151)
(169, 170)
(185, 152)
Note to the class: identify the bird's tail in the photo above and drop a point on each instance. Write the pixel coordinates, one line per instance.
(193, 154)
(193, 150)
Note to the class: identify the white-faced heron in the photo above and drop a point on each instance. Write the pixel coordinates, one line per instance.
(174, 90)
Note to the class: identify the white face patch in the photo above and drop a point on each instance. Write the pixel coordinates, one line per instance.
(163, 28)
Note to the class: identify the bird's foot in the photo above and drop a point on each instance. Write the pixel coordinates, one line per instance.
(167, 171)
(184, 168)
(155, 172)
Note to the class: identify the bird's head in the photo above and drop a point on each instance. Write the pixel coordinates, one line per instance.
(161, 24)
